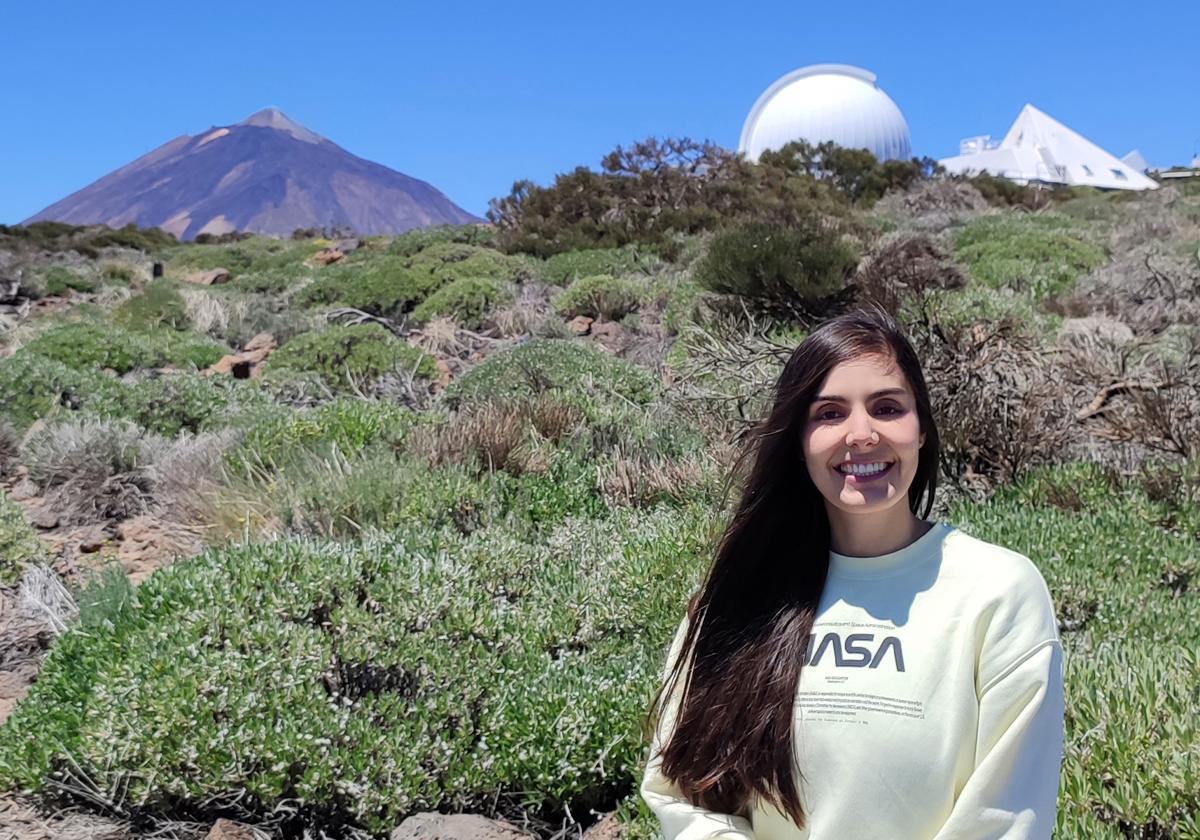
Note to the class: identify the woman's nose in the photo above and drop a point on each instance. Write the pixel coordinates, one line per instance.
(860, 430)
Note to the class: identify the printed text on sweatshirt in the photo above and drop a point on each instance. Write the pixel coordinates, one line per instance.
(930, 706)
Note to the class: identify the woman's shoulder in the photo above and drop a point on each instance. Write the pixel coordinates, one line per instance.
(986, 562)
(1012, 606)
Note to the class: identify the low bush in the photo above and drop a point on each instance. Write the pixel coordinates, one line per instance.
(447, 261)
(33, 386)
(678, 296)
(57, 237)
(91, 469)
(88, 346)
(541, 364)
(599, 296)
(1035, 255)
(421, 670)
(384, 286)
(254, 255)
(562, 269)
(183, 402)
(906, 269)
(467, 300)
(59, 280)
(349, 425)
(19, 544)
(409, 243)
(159, 305)
(803, 265)
(346, 357)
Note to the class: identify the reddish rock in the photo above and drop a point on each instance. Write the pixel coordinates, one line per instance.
(608, 828)
(443, 372)
(209, 278)
(610, 335)
(327, 257)
(581, 324)
(43, 517)
(430, 826)
(229, 830)
(23, 490)
(248, 363)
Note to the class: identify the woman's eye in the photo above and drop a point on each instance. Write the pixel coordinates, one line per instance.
(829, 414)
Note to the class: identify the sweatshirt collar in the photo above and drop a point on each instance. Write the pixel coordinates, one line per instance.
(921, 549)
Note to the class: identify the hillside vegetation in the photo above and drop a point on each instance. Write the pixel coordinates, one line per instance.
(406, 524)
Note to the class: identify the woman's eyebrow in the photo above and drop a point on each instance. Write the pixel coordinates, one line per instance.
(835, 398)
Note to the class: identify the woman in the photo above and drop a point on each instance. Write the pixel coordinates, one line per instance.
(850, 669)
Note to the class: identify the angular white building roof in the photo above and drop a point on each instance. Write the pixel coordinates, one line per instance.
(1040, 148)
(827, 102)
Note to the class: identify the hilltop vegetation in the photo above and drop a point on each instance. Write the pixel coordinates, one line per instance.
(422, 545)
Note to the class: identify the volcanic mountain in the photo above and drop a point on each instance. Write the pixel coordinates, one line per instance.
(266, 174)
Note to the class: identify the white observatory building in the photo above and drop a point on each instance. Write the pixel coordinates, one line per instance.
(1040, 149)
(827, 102)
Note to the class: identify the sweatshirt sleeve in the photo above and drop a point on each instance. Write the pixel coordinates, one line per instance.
(1012, 791)
(680, 819)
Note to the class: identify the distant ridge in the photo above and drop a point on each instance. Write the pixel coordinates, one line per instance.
(267, 174)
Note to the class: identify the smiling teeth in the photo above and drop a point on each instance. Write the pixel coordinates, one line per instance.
(862, 469)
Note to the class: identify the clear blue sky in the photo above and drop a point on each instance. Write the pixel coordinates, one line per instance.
(472, 96)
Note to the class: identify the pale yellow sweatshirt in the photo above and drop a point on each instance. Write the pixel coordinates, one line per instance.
(931, 707)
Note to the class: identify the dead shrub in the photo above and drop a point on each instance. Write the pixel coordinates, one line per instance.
(499, 436)
(1149, 287)
(87, 450)
(634, 480)
(723, 383)
(905, 268)
(439, 337)
(1000, 402)
(1143, 398)
(519, 319)
(10, 446)
(110, 470)
(935, 196)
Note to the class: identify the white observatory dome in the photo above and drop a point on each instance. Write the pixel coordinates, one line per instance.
(827, 102)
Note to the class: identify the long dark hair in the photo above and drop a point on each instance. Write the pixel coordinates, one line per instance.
(750, 620)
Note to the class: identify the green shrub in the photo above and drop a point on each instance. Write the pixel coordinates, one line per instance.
(86, 346)
(803, 264)
(562, 269)
(182, 402)
(1118, 574)
(1035, 255)
(347, 355)
(467, 300)
(19, 543)
(350, 425)
(420, 670)
(409, 243)
(447, 261)
(680, 305)
(33, 386)
(159, 305)
(59, 280)
(256, 254)
(542, 364)
(383, 286)
(118, 273)
(599, 296)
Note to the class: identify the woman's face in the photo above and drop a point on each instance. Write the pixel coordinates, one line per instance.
(863, 418)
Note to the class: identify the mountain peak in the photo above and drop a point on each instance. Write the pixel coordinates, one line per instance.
(272, 117)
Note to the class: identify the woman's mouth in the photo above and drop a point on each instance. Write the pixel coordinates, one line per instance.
(865, 473)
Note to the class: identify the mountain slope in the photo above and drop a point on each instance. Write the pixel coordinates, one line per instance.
(266, 174)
